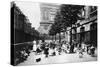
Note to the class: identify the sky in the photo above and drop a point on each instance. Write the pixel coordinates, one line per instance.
(31, 10)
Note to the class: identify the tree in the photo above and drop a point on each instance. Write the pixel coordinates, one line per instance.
(52, 31)
(70, 14)
(66, 17)
(58, 24)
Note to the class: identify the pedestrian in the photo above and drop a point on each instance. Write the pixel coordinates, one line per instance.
(92, 50)
(83, 46)
(80, 50)
(46, 51)
(38, 50)
(34, 46)
(87, 47)
(50, 51)
(59, 50)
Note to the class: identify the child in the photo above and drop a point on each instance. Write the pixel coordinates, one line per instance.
(80, 50)
(80, 53)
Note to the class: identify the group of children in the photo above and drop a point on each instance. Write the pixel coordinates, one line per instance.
(54, 48)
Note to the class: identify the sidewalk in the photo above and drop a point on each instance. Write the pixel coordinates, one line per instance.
(63, 58)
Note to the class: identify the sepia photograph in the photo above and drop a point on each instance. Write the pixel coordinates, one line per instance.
(52, 33)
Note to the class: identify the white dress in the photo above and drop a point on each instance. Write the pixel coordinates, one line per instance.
(34, 47)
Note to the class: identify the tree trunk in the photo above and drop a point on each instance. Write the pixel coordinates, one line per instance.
(71, 36)
(65, 34)
(55, 37)
(75, 33)
(52, 38)
(59, 38)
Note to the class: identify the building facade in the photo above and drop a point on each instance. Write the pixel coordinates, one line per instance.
(20, 25)
(86, 29)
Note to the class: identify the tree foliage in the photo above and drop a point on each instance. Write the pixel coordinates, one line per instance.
(56, 27)
(65, 17)
(70, 14)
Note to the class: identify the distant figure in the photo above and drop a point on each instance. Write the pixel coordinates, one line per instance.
(64, 47)
(38, 51)
(46, 51)
(80, 50)
(34, 46)
(92, 50)
(59, 50)
(83, 46)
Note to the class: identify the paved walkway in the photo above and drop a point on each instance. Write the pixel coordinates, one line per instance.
(63, 58)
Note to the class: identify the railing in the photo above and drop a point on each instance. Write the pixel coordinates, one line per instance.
(23, 43)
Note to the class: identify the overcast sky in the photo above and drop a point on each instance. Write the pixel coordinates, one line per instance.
(31, 10)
